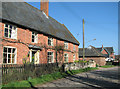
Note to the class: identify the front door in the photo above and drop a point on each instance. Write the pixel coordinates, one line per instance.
(35, 57)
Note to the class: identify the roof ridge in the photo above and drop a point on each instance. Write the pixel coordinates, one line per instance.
(65, 27)
(99, 54)
(55, 20)
(70, 33)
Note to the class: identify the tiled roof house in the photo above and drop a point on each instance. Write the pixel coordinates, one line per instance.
(91, 53)
(31, 34)
(97, 54)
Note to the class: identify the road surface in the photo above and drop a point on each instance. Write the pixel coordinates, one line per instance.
(102, 78)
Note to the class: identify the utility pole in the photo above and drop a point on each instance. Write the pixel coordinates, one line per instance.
(83, 43)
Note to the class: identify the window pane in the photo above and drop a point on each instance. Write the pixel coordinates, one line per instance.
(32, 33)
(4, 56)
(11, 26)
(6, 34)
(13, 51)
(9, 50)
(4, 60)
(50, 57)
(14, 28)
(33, 36)
(9, 56)
(13, 58)
(6, 25)
(33, 40)
(6, 30)
(5, 49)
(50, 41)
(9, 60)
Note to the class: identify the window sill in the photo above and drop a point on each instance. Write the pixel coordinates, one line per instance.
(10, 38)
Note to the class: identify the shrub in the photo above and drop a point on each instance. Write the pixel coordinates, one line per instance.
(108, 63)
(97, 65)
(80, 61)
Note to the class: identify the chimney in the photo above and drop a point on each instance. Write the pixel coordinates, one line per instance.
(102, 46)
(45, 6)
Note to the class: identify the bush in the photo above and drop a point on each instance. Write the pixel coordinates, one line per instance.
(80, 61)
(109, 63)
(97, 65)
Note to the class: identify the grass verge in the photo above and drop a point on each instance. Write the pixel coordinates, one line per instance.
(107, 66)
(45, 78)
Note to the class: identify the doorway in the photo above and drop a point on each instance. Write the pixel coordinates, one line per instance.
(34, 56)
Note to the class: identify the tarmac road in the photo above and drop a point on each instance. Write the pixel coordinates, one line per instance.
(103, 78)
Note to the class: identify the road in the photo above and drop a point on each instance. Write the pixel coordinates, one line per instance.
(102, 78)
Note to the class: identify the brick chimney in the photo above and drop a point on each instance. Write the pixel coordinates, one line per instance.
(45, 6)
(102, 46)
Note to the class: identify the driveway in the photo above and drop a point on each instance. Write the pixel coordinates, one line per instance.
(102, 78)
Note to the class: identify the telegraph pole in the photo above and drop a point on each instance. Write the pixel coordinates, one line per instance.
(83, 43)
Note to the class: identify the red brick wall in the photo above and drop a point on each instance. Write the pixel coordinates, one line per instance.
(99, 60)
(24, 35)
(104, 51)
(112, 55)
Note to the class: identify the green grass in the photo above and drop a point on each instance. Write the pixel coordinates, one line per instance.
(45, 78)
(107, 66)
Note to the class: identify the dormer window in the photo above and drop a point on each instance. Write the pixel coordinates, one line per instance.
(10, 31)
(65, 45)
(50, 41)
(34, 37)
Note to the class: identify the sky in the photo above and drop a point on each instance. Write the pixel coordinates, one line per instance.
(101, 21)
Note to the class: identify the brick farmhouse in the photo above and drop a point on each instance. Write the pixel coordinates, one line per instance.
(31, 35)
(97, 54)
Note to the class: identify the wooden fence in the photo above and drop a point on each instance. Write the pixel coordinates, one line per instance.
(23, 72)
(18, 72)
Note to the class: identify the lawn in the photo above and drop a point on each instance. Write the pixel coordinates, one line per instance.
(107, 66)
(45, 78)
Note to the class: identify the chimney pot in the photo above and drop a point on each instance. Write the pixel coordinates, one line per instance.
(102, 46)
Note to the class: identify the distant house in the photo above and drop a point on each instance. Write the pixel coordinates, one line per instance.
(117, 57)
(30, 34)
(92, 53)
(107, 51)
(99, 55)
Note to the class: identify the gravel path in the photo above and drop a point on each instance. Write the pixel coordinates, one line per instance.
(102, 78)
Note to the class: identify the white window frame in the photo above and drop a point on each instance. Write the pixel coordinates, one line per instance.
(65, 45)
(73, 47)
(35, 34)
(31, 50)
(11, 31)
(52, 57)
(51, 41)
(66, 56)
(15, 60)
